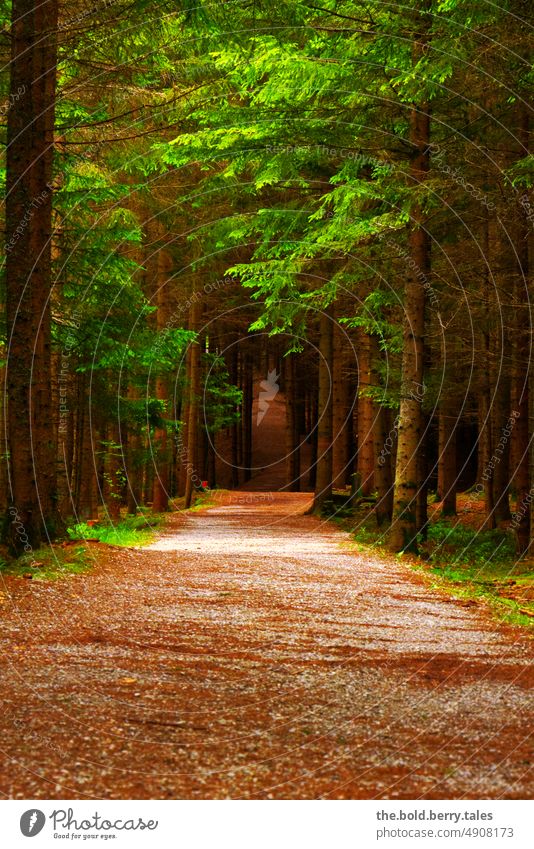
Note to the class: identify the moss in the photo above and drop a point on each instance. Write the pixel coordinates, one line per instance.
(49, 564)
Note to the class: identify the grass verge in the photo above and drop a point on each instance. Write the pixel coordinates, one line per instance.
(461, 560)
(131, 531)
(49, 564)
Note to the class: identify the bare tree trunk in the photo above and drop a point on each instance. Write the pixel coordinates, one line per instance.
(501, 447)
(313, 435)
(520, 387)
(366, 413)
(246, 422)
(86, 504)
(447, 477)
(292, 430)
(233, 372)
(194, 399)
(382, 432)
(134, 451)
(160, 497)
(340, 414)
(323, 480)
(30, 139)
(403, 534)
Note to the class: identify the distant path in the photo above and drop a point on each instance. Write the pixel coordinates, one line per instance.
(247, 654)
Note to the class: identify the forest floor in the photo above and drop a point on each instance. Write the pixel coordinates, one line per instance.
(250, 652)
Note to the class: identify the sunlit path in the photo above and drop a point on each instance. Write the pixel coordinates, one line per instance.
(249, 653)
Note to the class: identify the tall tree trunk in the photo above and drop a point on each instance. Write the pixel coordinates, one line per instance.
(447, 477)
(234, 434)
(366, 413)
(133, 453)
(246, 415)
(30, 140)
(501, 447)
(160, 497)
(323, 479)
(313, 435)
(194, 398)
(292, 428)
(382, 431)
(487, 385)
(341, 412)
(403, 534)
(520, 388)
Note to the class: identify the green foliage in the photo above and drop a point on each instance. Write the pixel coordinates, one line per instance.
(131, 531)
(221, 401)
(454, 544)
(49, 563)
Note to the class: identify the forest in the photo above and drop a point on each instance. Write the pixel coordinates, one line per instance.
(257, 249)
(198, 196)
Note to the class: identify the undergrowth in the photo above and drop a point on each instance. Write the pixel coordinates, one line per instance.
(49, 564)
(131, 531)
(458, 558)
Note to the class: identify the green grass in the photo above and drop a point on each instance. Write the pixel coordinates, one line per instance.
(49, 564)
(203, 500)
(462, 561)
(482, 564)
(60, 561)
(131, 531)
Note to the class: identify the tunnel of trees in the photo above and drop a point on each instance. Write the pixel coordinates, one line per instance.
(266, 245)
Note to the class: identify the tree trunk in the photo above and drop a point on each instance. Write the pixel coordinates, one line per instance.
(246, 422)
(520, 389)
(341, 413)
(134, 450)
(323, 480)
(501, 447)
(194, 399)
(160, 496)
(382, 432)
(403, 535)
(292, 428)
(33, 512)
(447, 478)
(366, 413)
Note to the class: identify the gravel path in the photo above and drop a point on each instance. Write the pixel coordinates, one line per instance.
(248, 653)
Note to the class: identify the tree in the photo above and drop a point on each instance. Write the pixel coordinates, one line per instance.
(29, 188)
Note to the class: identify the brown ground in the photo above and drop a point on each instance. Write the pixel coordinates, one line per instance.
(247, 654)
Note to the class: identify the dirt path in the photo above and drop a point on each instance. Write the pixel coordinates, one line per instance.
(246, 654)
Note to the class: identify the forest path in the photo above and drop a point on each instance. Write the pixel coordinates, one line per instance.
(247, 654)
